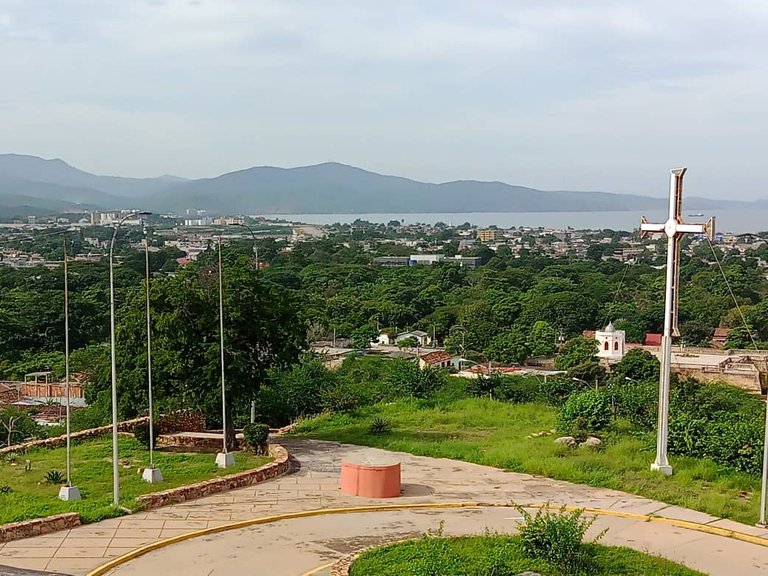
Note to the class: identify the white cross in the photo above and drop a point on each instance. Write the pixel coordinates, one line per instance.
(674, 228)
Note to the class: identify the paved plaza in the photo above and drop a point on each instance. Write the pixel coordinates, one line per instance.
(297, 546)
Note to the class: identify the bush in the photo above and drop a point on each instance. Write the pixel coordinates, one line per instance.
(141, 433)
(5, 489)
(636, 401)
(256, 436)
(380, 426)
(54, 477)
(517, 389)
(638, 364)
(557, 537)
(407, 379)
(585, 412)
(558, 389)
(736, 442)
(687, 434)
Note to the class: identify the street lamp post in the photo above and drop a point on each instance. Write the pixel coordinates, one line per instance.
(256, 252)
(115, 472)
(764, 480)
(585, 382)
(67, 492)
(224, 459)
(152, 474)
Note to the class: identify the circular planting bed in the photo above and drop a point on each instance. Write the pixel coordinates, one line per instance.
(498, 555)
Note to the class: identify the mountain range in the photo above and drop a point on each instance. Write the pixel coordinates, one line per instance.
(32, 185)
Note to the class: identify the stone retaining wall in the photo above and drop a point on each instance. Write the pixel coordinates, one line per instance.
(59, 441)
(38, 526)
(280, 465)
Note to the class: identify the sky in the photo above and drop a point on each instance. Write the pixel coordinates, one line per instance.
(578, 95)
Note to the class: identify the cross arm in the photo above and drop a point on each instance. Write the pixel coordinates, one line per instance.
(648, 228)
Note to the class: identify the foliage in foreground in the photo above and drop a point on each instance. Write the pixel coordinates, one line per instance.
(557, 537)
(500, 555)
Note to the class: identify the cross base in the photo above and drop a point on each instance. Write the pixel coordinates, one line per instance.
(665, 469)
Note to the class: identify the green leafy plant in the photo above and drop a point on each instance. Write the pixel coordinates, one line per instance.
(10, 457)
(5, 489)
(54, 477)
(256, 436)
(557, 537)
(141, 432)
(380, 426)
(585, 412)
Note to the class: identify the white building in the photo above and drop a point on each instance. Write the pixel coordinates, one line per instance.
(611, 343)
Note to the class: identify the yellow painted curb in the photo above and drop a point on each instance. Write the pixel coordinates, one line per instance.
(133, 554)
(318, 569)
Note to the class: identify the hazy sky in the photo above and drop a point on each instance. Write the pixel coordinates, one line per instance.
(569, 94)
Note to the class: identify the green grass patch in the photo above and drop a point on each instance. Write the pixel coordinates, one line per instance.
(501, 555)
(31, 497)
(494, 433)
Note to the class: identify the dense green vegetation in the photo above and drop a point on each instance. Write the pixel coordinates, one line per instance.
(501, 555)
(29, 496)
(715, 436)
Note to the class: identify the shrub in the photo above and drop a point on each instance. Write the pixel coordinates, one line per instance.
(638, 364)
(589, 411)
(256, 436)
(5, 489)
(54, 477)
(636, 401)
(687, 434)
(558, 389)
(517, 389)
(557, 537)
(735, 442)
(380, 426)
(141, 433)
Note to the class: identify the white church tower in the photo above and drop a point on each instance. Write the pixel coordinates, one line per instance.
(611, 343)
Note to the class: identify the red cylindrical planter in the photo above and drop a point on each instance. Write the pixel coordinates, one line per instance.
(370, 481)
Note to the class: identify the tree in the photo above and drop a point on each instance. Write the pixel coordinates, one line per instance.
(639, 365)
(17, 425)
(410, 342)
(576, 351)
(363, 336)
(263, 328)
(509, 347)
(542, 340)
(740, 338)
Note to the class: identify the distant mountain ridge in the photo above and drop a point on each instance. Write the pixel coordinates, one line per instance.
(323, 188)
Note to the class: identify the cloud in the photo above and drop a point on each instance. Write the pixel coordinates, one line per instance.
(599, 94)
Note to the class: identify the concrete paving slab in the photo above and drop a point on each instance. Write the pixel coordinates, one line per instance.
(34, 568)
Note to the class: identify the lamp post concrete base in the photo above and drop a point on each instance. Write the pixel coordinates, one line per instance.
(225, 460)
(152, 475)
(69, 493)
(666, 470)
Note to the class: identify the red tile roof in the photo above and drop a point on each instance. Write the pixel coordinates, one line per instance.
(437, 357)
(652, 339)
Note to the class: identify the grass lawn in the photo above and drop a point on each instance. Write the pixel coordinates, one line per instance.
(494, 433)
(483, 555)
(31, 497)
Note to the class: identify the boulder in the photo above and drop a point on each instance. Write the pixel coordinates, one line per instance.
(591, 442)
(566, 440)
